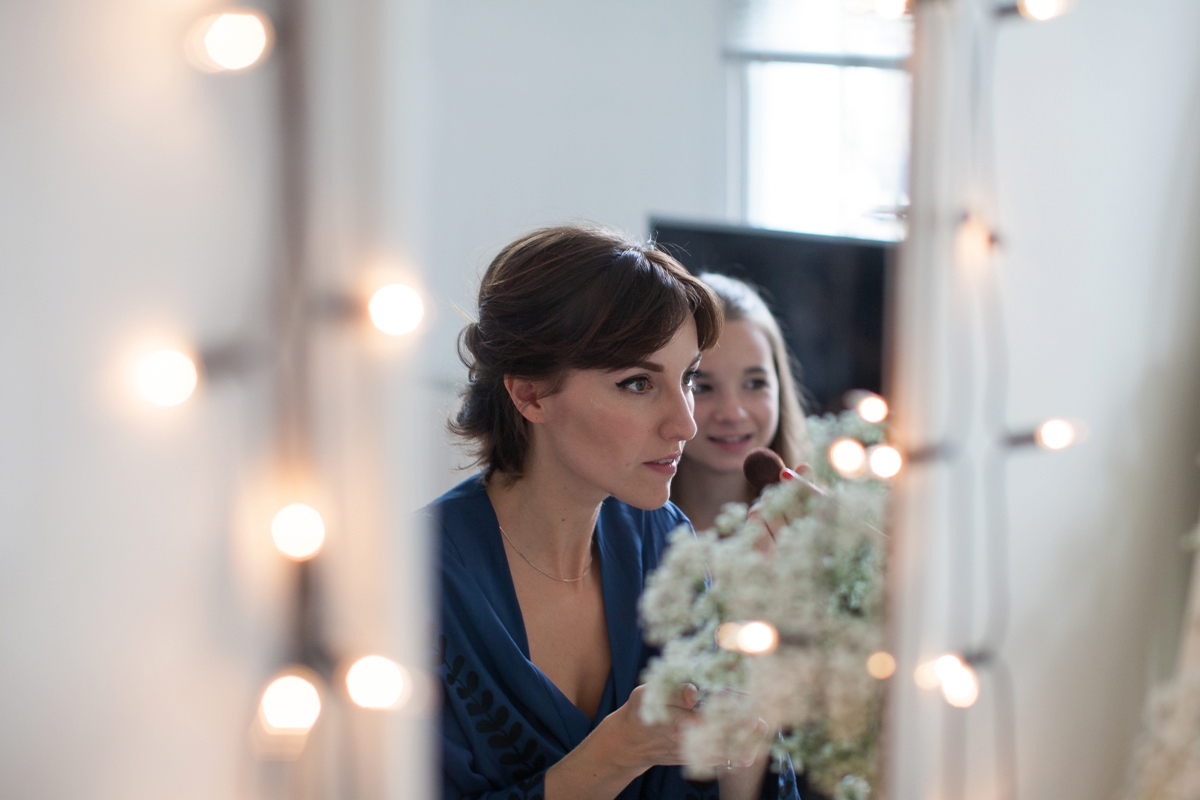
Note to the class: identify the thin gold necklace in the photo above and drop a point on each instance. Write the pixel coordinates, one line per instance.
(539, 569)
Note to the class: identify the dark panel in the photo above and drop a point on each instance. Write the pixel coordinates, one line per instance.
(827, 293)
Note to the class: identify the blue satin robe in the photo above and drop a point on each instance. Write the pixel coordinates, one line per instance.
(504, 723)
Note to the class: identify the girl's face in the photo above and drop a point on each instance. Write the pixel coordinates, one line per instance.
(620, 432)
(737, 399)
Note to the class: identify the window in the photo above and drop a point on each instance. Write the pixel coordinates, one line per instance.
(822, 107)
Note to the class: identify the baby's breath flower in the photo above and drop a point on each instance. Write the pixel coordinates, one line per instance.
(822, 589)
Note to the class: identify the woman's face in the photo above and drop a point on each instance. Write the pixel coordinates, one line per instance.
(622, 432)
(737, 399)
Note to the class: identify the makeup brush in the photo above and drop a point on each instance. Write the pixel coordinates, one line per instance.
(762, 468)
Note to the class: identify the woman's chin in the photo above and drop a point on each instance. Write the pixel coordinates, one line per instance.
(647, 497)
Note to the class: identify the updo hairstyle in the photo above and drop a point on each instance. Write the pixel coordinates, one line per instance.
(565, 298)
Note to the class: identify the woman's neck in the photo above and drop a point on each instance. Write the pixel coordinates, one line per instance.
(546, 518)
(700, 491)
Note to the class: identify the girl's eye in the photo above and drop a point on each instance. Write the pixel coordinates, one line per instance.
(757, 384)
(689, 381)
(637, 384)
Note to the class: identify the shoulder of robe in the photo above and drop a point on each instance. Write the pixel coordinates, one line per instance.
(455, 516)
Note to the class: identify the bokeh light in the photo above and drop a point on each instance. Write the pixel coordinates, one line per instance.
(925, 675)
(973, 242)
(167, 377)
(396, 309)
(757, 637)
(1041, 10)
(727, 635)
(290, 705)
(377, 682)
(884, 461)
(848, 457)
(872, 408)
(298, 531)
(1055, 434)
(881, 665)
(230, 41)
(960, 686)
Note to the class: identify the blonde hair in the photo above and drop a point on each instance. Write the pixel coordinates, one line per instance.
(740, 301)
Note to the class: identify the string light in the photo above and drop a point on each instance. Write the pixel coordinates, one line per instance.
(884, 461)
(872, 408)
(290, 705)
(167, 377)
(727, 633)
(757, 638)
(925, 675)
(973, 243)
(230, 41)
(1055, 434)
(396, 309)
(848, 457)
(881, 665)
(1041, 10)
(377, 682)
(298, 531)
(960, 686)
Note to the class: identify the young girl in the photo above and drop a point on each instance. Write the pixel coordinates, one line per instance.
(745, 398)
(579, 403)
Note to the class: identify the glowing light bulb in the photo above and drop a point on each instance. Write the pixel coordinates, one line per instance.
(1041, 10)
(872, 408)
(890, 9)
(377, 682)
(848, 457)
(757, 637)
(298, 531)
(236, 39)
(884, 461)
(925, 675)
(973, 242)
(396, 309)
(290, 705)
(167, 377)
(1055, 434)
(960, 686)
(727, 635)
(881, 665)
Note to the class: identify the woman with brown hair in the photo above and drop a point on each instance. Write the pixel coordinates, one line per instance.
(579, 402)
(745, 398)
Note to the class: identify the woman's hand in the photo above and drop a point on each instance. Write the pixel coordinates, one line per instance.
(637, 745)
(621, 748)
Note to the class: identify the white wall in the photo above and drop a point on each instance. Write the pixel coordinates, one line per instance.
(1099, 146)
(543, 112)
(134, 207)
(141, 605)
(1098, 187)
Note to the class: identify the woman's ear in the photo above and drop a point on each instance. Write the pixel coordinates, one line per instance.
(526, 396)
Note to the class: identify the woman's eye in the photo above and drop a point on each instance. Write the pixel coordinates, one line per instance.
(757, 384)
(690, 382)
(637, 385)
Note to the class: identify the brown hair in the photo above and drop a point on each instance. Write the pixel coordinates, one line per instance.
(740, 301)
(562, 298)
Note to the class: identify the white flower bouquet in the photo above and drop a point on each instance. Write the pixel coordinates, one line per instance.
(820, 592)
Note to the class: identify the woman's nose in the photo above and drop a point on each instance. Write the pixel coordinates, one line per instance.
(729, 407)
(679, 424)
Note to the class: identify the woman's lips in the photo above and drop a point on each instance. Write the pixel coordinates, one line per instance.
(731, 444)
(665, 466)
